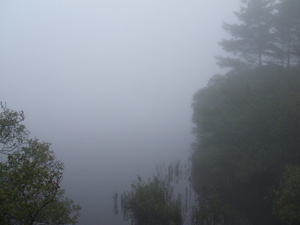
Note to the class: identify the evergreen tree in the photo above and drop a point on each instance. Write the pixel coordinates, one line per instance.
(251, 39)
(287, 33)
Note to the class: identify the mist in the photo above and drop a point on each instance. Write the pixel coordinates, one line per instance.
(109, 84)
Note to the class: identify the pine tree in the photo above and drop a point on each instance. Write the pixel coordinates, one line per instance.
(251, 39)
(287, 32)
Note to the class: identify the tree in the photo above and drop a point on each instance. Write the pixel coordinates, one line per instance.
(151, 203)
(12, 132)
(267, 34)
(247, 129)
(287, 32)
(30, 179)
(61, 211)
(287, 197)
(251, 42)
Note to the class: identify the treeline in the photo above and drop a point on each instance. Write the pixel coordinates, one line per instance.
(245, 161)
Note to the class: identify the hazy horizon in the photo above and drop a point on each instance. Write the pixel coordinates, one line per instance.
(109, 84)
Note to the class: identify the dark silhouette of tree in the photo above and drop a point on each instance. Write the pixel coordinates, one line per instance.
(247, 129)
(287, 32)
(251, 39)
(267, 33)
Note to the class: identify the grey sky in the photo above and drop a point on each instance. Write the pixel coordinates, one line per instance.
(109, 84)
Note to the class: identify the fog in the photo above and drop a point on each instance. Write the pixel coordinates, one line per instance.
(109, 84)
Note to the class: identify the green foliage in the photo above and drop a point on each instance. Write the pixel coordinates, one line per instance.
(61, 211)
(12, 132)
(247, 128)
(287, 197)
(30, 178)
(151, 203)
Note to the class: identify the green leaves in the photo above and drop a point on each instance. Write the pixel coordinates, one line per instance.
(30, 178)
(12, 132)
